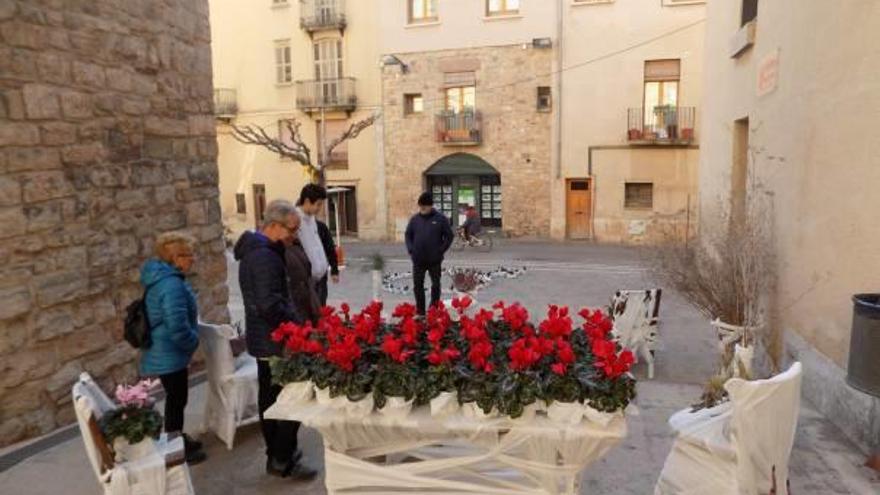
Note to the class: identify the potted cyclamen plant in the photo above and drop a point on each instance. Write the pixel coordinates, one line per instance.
(394, 385)
(133, 426)
(436, 386)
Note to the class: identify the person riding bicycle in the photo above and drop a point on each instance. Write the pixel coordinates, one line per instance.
(471, 226)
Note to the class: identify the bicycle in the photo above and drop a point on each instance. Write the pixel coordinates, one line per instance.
(482, 242)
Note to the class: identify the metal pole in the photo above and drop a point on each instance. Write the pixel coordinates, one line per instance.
(338, 228)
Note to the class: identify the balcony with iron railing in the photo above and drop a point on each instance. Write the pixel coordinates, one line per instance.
(664, 124)
(225, 103)
(318, 15)
(326, 94)
(463, 128)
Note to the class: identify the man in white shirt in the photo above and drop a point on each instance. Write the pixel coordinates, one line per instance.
(311, 202)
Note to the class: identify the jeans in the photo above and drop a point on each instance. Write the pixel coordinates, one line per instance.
(280, 436)
(321, 289)
(176, 387)
(419, 284)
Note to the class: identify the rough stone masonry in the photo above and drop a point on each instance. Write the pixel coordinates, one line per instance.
(106, 140)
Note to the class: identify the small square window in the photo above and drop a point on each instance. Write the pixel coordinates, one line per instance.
(545, 99)
(413, 103)
(502, 7)
(639, 195)
(240, 203)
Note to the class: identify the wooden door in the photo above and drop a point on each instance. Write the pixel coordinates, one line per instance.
(578, 210)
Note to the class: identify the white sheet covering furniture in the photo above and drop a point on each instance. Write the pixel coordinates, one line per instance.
(741, 447)
(147, 471)
(636, 317)
(233, 388)
(453, 454)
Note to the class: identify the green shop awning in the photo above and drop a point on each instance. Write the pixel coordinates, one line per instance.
(461, 164)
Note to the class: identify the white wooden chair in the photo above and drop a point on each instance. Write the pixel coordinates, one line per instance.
(162, 470)
(636, 315)
(741, 447)
(233, 387)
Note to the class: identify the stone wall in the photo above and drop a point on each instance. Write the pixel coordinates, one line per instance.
(106, 139)
(516, 137)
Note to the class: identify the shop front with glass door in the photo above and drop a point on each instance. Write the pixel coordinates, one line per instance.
(462, 180)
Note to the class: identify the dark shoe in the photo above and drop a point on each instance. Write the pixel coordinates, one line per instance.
(194, 457)
(191, 445)
(301, 472)
(276, 468)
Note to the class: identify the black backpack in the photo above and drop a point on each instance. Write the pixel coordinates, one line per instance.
(137, 325)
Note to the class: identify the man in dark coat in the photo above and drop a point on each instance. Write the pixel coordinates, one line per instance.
(299, 282)
(330, 251)
(428, 237)
(263, 278)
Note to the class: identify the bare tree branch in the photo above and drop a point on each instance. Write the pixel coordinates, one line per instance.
(297, 149)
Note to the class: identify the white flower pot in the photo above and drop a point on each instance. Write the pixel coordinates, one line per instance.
(744, 356)
(472, 410)
(595, 416)
(323, 397)
(361, 408)
(126, 452)
(529, 413)
(396, 407)
(297, 392)
(445, 404)
(569, 413)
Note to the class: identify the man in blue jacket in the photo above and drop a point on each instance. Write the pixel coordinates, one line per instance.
(262, 274)
(428, 237)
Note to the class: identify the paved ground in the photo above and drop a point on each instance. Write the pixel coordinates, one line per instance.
(574, 274)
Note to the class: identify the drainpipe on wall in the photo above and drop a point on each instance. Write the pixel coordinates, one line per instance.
(559, 73)
(381, 200)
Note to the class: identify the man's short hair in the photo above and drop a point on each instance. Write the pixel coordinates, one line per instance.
(277, 211)
(313, 193)
(426, 199)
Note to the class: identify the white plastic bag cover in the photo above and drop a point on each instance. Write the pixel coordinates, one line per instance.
(233, 387)
(734, 449)
(453, 453)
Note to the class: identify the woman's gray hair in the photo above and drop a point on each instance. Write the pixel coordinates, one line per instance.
(277, 211)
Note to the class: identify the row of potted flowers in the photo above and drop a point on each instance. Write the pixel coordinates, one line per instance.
(486, 362)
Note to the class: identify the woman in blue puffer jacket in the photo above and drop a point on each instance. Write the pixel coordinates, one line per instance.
(173, 317)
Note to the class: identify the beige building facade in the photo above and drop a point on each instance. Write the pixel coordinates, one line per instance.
(280, 60)
(599, 130)
(581, 117)
(787, 135)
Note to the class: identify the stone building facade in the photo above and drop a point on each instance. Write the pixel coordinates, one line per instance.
(106, 140)
(509, 135)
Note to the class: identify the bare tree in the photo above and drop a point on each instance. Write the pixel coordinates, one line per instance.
(297, 149)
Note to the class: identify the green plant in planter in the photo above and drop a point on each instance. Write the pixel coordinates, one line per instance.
(516, 391)
(132, 423)
(476, 386)
(376, 262)
(433, 381)
(393, 380)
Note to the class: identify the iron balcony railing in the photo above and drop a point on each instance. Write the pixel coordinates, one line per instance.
(329, 94)
(662, 124)
(225, 102)
(459, 128)
(317, 15)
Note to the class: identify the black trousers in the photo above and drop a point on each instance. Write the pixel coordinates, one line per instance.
(280, 436)
(321, 289)
(176, 387)
(419, 284)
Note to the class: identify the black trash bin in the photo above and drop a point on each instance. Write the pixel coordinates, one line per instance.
(863, 372)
